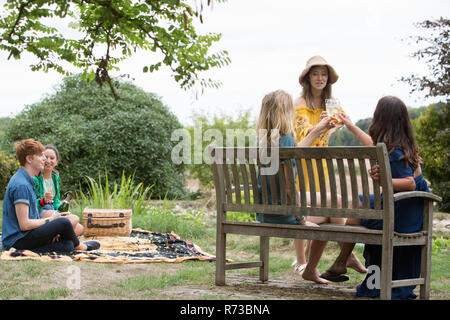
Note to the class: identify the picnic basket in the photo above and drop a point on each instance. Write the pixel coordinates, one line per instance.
(107, 222)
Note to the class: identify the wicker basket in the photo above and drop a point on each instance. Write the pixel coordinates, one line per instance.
(107, 222)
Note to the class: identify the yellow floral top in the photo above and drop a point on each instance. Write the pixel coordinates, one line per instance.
(305, 119)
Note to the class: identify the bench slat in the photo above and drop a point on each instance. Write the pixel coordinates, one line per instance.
(226, 174)
(324, 233)
(364, 182)
(312, 182)
(332, 179)
(263, 178)
(305, 211)
(291, 177)
(252, 168)
(376, 189)
(237, 184)
(322, 183)
(353, 183)
(344, 152)
(342, 183)
(301, 180)
(282, 179)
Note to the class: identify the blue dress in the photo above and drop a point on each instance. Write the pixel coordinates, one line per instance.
(408, 215)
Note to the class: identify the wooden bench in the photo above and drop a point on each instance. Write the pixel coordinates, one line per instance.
(236, 169)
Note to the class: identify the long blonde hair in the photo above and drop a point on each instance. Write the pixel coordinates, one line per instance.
(277, 112)
(307, 93)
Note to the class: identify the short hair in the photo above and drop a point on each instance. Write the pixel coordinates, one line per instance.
(27, 147)
(52, 147)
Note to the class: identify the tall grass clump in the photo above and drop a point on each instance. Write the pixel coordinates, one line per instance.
(165, 218)
(126, 195)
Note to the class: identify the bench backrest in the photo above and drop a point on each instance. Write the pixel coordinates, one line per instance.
(236, 170)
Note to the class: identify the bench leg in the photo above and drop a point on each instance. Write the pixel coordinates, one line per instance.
(425, 263)
(264, 257)
(386, 272)
(220, 258)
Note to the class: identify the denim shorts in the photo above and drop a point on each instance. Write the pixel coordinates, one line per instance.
(45, 209)
(279, 218)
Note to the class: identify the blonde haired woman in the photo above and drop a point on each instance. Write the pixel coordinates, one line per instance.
(316, 80)
(275, 123)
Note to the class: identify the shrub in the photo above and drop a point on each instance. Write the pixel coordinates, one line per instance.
(94, 132)
(8, 166)
(222, 123)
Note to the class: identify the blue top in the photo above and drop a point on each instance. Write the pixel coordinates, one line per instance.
(408, 213)
(285, 141)
(20, 190)
(408, 218)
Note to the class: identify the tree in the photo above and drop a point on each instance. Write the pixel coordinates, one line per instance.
(343, 137)
(437, 57)
(110, 31)
(433, 137)
(94, 132)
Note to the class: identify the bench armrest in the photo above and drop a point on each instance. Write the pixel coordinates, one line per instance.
(413, 194)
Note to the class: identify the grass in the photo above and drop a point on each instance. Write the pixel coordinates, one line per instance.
(47, 280)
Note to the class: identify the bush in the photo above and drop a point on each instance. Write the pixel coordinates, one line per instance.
(93, 132)
(222, 123)
(433, 137)
(8, 166)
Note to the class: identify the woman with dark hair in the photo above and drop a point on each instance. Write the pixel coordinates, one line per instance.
(391, 125)
(47, 189)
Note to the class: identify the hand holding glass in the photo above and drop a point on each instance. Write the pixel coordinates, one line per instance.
(333, 108)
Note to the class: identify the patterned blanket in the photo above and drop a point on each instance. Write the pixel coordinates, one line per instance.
(140, 247)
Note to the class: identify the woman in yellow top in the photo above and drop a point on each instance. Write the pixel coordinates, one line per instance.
(316, 80)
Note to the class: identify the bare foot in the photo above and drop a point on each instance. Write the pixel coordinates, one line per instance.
(81, 247)
(354, 263)
(313, 276)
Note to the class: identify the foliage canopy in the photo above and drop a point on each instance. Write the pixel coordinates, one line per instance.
(104, 32)
(436, 55)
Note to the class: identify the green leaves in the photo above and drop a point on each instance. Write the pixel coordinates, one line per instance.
(110, 31)
(436, 55)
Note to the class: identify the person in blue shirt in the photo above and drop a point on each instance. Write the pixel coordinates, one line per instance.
(391, 124)
(276, 127)
(22, 227)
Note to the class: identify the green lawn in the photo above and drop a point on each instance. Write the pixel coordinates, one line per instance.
(191, 280)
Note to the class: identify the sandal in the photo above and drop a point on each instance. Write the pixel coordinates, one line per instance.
(334, 277)
(298, 268)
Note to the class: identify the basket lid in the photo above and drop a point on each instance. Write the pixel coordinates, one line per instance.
(108, 213)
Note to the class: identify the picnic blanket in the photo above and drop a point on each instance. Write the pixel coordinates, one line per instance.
(140, 247)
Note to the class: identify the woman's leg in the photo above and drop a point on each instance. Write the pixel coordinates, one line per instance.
(346, 256)
(79, 229)
(311, 272)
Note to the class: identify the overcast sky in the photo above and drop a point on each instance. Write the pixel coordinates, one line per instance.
(269, 43)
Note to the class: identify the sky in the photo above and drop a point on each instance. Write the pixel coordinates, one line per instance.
(367, 42)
